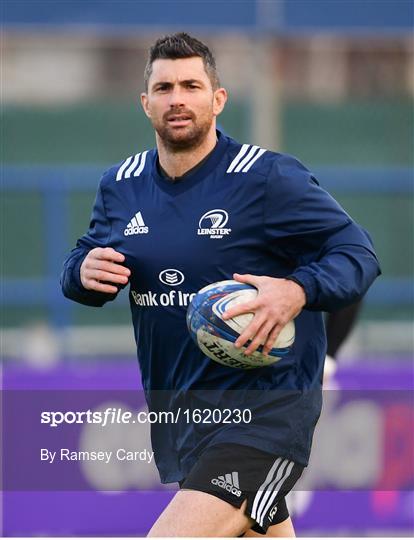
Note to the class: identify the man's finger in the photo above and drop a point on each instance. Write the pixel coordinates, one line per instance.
(108, 254)
(247, 307)
(268, 346)
(101, 287)
(113, 268)
(100, 275)
(250, 331)
(247, 278)
(259, 339)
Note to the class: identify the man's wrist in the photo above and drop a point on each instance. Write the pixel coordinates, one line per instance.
(302, 288)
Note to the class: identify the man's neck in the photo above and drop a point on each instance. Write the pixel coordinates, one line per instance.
(175, 164)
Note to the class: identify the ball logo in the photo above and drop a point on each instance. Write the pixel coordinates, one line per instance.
(213, 223)
(171, 277)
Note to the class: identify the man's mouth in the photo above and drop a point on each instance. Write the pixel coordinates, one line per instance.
(179, 120)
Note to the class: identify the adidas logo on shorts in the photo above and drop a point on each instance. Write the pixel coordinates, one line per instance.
(229, 482)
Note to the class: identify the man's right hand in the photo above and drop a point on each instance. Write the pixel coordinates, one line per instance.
(101, 267)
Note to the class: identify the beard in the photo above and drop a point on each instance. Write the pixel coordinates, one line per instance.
(179, 139)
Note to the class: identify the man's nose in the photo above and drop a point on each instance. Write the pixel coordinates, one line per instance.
(177, 97)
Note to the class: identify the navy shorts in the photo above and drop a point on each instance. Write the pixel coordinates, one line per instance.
(236, 472)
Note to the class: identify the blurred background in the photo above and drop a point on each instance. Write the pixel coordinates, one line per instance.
(331, 82)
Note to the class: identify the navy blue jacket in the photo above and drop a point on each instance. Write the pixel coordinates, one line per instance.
(275, 220)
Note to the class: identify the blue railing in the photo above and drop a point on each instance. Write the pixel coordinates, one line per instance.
(55, 183)
(384, 17)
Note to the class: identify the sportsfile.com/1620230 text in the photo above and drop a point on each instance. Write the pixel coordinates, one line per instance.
(118, 415)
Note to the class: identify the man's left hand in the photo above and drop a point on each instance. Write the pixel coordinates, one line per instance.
(278, 301)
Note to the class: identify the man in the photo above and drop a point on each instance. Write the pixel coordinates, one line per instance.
(283, 234)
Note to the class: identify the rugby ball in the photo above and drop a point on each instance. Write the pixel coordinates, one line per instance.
(216, 337)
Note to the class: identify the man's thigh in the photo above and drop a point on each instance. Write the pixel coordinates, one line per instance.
(194, 513)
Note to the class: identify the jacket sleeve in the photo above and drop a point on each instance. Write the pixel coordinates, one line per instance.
(98, 235)
(332, 257)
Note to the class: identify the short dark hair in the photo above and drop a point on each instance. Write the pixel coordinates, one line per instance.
(182, 45)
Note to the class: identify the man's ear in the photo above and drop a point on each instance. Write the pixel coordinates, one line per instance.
(219, 100)
(145, 105)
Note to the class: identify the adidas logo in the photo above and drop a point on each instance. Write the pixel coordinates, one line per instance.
(136, 226)
(229, 482)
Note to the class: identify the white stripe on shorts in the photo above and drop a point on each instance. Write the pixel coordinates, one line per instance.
(263, 487)
(269, 490)
(268, 505)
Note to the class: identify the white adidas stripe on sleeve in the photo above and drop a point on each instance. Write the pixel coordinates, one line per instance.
(235, 161)
(123, 167)
(132, 166)
(256, 157)
(142, 164)
(246, 160)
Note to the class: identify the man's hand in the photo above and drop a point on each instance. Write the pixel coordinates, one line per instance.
(278, 301)
(103, 265)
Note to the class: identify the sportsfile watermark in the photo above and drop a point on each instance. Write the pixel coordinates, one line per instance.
(118, 415)
(104, 440)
